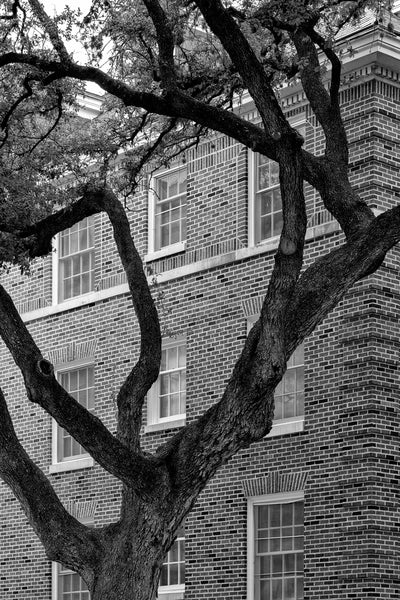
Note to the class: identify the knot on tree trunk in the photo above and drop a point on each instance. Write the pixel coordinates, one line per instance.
(287, 246)
(45, 367)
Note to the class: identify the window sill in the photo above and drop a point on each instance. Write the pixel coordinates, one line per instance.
(164, 425)
(173, 592)
(287, 427)
(72, 465)
(167, 251)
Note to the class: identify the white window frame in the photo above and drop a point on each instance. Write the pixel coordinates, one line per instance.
(56, 257)
(172, 592)
(252, 179)
(82, 461)
(154, 422)
(281, 426)
(281, 498)
(180, 246)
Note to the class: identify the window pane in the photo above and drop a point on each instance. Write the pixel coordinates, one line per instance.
(275, 515)
(289, 589)
(174, 404)
(276, 589)
(164, 575)
(266, 227)
(278, 223)
(164, 412)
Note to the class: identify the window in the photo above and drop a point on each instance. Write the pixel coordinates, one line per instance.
(76, 260)
(275, 547)
(167, 397)
(79, 383)
(289, 394)
(173, 570)
(167, 212)
(265, 205)
(267, 199)
(68, 585)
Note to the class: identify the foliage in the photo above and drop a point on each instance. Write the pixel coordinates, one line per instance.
(170, 71)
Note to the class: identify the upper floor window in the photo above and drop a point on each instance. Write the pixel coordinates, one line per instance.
(167, 212)
(276, 547)
(266, 199)
(79, 383)
(167, 397)
(76, 260)
(265, 203)
(172, 578)
(289, 393)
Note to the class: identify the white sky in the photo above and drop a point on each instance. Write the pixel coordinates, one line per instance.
(51, 6)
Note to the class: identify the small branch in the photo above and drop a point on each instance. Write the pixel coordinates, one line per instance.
(51, 29)
(14, 12)
(335, 62)
(327, 111)
(14, 106)
(52, 128)
(165, 41)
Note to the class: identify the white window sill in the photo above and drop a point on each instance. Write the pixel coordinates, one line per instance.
(163, 425)
(265, 245)
(76, 300)
(167, 251)
(72, 465)
(286, 427)
(172, 592)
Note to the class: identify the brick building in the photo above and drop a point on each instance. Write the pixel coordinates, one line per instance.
(316, 504)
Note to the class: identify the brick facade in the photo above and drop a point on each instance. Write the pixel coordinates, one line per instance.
(345, 456)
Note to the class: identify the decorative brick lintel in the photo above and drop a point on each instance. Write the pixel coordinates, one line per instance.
(275, 483)
(72, 351)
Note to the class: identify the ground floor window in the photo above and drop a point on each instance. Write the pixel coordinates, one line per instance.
(275, 547)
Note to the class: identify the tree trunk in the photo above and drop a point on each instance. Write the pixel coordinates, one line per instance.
(118, 580)
(132, 557)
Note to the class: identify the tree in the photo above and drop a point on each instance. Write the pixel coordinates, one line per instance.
(173, 70)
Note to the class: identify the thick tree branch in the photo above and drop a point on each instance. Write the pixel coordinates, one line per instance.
(175, 104)
(141, 474)
(224, 26)
(245, 412)
(55, 527)
(38, 236)
(132, 393)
